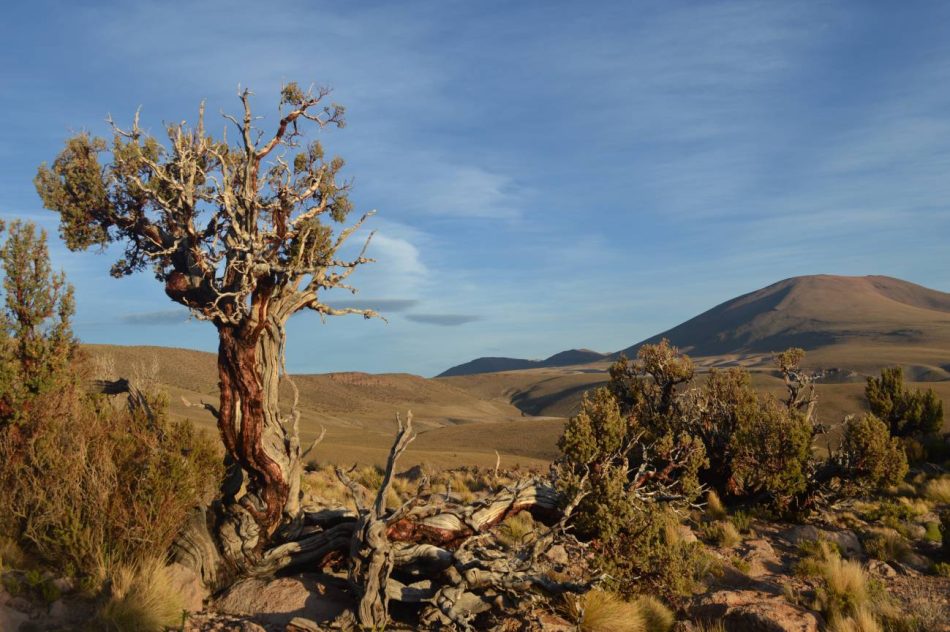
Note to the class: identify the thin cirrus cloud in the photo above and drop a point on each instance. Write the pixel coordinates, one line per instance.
(445, 320)
(158, 317)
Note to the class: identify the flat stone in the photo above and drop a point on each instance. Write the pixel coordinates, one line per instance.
(753, 611)
(278, 601)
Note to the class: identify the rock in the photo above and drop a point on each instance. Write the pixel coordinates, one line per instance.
(278, 601)
(64, 584)
(250, 626)
(916, 561)
(846, 539)
(557, 554)
(59, 610)
(11, 620)
(754, 611)
(881, 569)
(761, 557)
(299, 624)
(552, 623)
(189, 585)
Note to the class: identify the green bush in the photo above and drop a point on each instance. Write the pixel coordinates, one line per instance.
(86, 485)
(907, 413)
(870, 458)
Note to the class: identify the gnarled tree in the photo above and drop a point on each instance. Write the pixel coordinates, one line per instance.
(244, 234)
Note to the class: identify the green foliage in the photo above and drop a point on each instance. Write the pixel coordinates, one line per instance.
(870, 457)
(36, 341)
(593, 458)
(91, 485)
(772, 452)
(907, 413)
(651, 556)
(85, 483)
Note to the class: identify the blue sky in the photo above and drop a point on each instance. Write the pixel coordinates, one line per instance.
(547, 175)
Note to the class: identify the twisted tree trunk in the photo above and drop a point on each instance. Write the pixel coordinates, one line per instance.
(251, 424)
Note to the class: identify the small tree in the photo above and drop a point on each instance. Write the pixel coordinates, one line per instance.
(242, 234)
(36, 340)
(869, 457)
(907, 413)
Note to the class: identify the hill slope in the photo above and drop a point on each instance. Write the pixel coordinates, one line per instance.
(494, 365)
(817, 311)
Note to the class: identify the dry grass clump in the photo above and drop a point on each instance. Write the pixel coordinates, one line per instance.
(886, 545)
(844, 594)
(863, 620)
(723, 534)
(656, 616)
(516, 529)
(714, 508)
(142, 599)
(602, 611)
(938, 490)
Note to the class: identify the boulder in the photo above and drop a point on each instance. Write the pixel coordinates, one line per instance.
(761, 558)
(11, 620)
(846, 539)
(299, 624)
(753, 611)
(189, 586)
(278, 601)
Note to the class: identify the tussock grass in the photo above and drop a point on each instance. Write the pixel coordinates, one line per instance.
(143, 599)
(516, 530)
(844, 593)
(938, 490)
(722, 533)
(863, 620)
(714, 507)
(656, 616)
(602, 611)
(886, 545)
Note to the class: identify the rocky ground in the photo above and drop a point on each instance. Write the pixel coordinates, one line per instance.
(756, 585)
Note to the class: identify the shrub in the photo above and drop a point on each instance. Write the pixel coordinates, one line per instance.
(870, 458)
(143, 599)
(907, 413)
(86, 486)
(593, 446)
(92, 486)
(651, 556)
(772, 453)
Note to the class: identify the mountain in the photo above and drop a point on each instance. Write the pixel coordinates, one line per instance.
(495, 365)
(844, 317)
(819, 311)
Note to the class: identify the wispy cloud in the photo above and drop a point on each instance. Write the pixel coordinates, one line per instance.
(445, 320)
(159, 317)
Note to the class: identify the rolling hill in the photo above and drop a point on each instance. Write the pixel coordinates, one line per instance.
(852, 327)
(494, 365)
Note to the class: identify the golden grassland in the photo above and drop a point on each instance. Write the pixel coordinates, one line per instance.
(465, 420)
